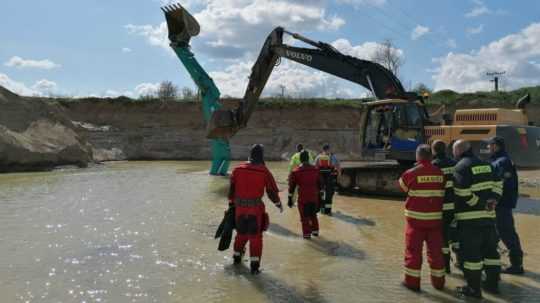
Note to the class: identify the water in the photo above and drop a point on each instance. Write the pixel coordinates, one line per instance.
(143, 232)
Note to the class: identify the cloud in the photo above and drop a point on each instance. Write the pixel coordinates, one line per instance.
(366, 50)
(146, 89)
(19, 62)
(42, 87)
(475, 30)
(451, 43)
(514, 54)
(358, 3)
(480, 9)
(235, 28)
(419, 31)
(126, 50)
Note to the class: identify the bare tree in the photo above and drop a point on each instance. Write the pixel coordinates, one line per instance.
(421, 89)
(388, 56)
(188, 94)
(167, 91)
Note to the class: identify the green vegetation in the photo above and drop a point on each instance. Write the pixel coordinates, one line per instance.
(508, 98)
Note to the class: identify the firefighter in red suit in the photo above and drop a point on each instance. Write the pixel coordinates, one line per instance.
(248, 183)
(308, 180)
(425, 188)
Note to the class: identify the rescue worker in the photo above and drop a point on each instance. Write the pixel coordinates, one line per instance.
(295, 159)
(329, 167)
(308, 180)
(248, 183)
(506, 172)
(424, 185)
(446, 164)
(476, 195)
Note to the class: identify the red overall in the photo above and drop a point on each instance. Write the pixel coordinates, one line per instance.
(424, 185)
(308, 180)
(248, 182)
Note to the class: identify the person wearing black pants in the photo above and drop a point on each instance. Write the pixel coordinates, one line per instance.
(506, 172)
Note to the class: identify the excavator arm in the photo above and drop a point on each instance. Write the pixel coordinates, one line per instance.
(324, 57)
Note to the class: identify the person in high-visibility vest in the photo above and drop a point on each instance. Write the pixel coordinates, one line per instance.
(446, 164)
(477, 190)
(425, 188)
(329, 167)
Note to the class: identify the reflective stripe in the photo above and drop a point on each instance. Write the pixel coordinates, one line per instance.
(423, 215)
(497, 190)
(328, 206)
(254, 259)
(492, 262)
(498, 184)
(429, 179)
(482, 186)
(448, 170)
(402, 185)
(449, 184)
(463, 192)
(426, 193)
(491, 213)
(412, 272)
(455, 245)
(437, 273)
(473, 265)
(476, 170)
(445, 250)
(448, 206)
(473, 200)
(471, 215)
(236, 253)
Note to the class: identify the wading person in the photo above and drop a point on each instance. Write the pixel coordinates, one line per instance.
(476, 195)
(308, 180)
(446, 164)
(425, 188)
(506, 172)
(328, 165)
(248, 184)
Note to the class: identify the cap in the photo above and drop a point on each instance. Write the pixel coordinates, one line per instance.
(496, 140)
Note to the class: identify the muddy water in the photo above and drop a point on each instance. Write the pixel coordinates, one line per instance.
(142, 232)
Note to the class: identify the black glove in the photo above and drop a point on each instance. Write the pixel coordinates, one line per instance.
(290, 202)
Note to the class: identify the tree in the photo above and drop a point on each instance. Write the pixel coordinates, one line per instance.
(188, 94)
(167, 91)
(421, 88)
(388, 56)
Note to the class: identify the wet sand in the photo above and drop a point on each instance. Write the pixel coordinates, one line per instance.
(143, 232)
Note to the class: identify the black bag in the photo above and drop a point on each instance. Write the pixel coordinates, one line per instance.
(225, 229)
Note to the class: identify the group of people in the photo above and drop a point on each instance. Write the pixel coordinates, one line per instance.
(314, 178)
(464, 204)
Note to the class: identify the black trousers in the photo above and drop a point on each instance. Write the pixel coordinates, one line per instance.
(329, 185)
(508, 235)
(478, 247)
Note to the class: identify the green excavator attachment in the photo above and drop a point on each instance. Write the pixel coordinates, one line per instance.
(182, 25)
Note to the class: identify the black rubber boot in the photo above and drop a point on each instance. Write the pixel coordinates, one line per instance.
(237, 259)
(447, 263)
(491, 287)
(466, 291)
(516, 267)
(255, 267)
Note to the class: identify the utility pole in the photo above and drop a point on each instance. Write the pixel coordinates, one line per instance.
(282, 91)
(495, 80)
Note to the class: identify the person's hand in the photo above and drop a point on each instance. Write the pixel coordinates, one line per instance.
(491, 204)
(280, 207)
(290, 202)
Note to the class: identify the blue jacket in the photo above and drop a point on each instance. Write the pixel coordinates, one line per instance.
(506, 171)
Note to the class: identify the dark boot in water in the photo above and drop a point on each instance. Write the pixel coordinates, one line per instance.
(513, 270)
(255, 267)
(466, 291)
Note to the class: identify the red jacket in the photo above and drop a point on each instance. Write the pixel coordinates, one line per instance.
(424, 185)
(248, 181)
(308, 179)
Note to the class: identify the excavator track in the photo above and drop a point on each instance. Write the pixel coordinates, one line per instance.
(377, 178)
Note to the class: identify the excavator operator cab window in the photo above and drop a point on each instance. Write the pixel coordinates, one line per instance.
(393, 126)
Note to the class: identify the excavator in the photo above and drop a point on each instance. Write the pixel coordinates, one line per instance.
(392, 126)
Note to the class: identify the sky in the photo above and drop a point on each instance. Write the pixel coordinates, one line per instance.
(112, 48)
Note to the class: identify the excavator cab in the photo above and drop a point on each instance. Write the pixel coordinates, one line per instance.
(393, 129)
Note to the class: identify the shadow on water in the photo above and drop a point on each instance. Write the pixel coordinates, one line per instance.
(352, 220)
(528, 206)
(276, 290)
(330, 248)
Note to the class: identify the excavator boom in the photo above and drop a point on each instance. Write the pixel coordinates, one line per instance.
(324, 57)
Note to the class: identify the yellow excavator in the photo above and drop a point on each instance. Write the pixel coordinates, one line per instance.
(392, 126)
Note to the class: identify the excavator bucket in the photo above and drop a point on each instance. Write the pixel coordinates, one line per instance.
(182, 25)
(223, 124)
